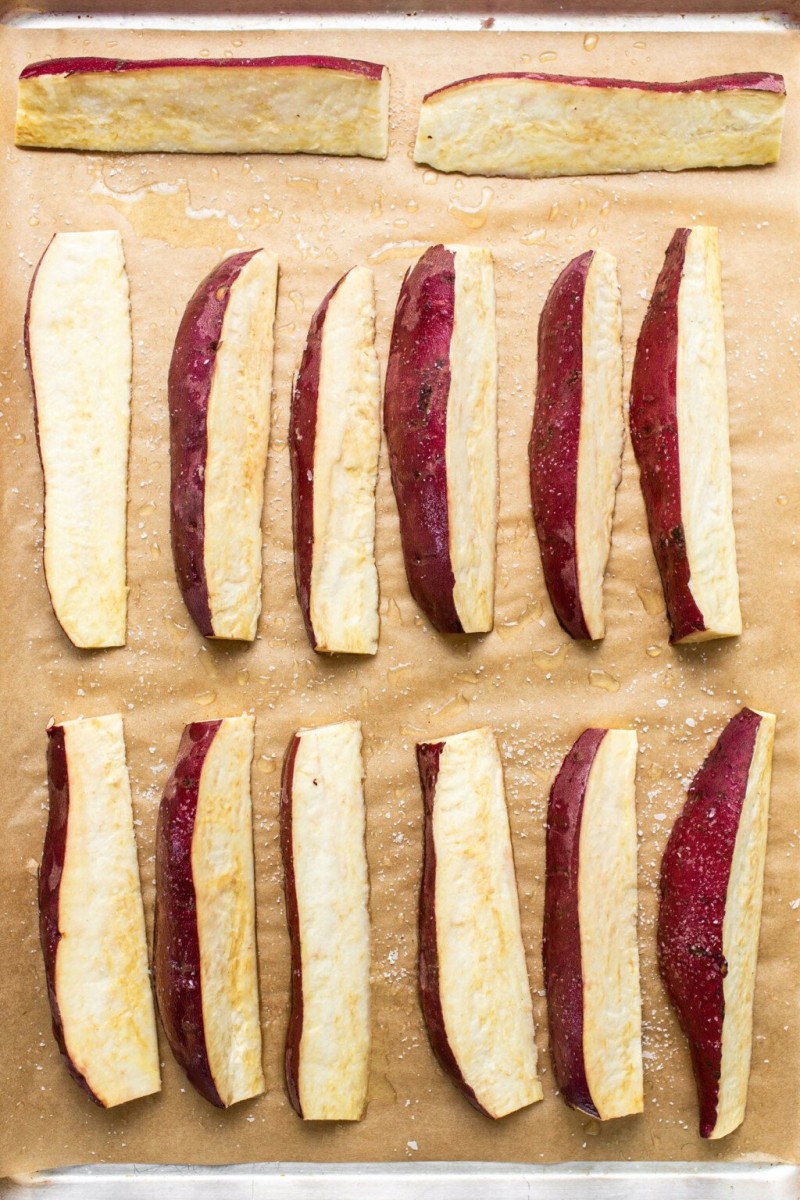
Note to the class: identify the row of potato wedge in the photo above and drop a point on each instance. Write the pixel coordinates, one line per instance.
(440, 420)
(516, 124)
(473, 979)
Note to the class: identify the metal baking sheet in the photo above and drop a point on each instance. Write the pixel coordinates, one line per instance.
(445, 1180)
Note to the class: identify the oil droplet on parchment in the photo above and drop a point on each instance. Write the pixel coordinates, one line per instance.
(391, 250)
(452, 708)
(531, 612)
(390, 610)
(176, 631)
(548, 56)
(303, 183)
(550, 660)
(205, 698)
(604, 681)
(472, 215)
(652, 601)
(401, 675)
(590, 41)
(653, 651)
(164, 211)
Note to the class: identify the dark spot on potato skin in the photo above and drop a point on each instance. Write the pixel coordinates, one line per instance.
(693, 886)
(654, 434)
(191, 375)
(561, 943)
(555, 434)
(176, 947)
(415, 420)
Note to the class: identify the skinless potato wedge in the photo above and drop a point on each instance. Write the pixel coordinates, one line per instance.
(440, 416)
(91, 918)
(712, 884)
(679, 430)
(334, 442)
(327, 897)
(535, 125)
(576, 442)
(591, 956)
(303, 104)
(220, 389)
(473, 979)
(206, 972)
(78, 345)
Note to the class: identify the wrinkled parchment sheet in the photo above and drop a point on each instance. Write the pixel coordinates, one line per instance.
(178, 216)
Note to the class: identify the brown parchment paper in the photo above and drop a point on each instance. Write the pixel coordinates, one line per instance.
(178, 216)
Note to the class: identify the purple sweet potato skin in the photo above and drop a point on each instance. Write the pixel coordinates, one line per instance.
(428, 755)
(758, 81)
(695, 871)
(555, 437)
(176, 947)
(415, 420)
(655, 438)
(50, 872)
(294, 1031)
(191, 375)
(561, 943)
(114, 66)
(302, 442)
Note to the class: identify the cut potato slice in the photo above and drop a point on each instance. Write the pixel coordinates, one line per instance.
(679, 430)
(440, 415)
(91, 917)
(206, 969)
(576, 441)
(334, 442)
(534, 125)
(327, 898)
(304, 104)
(220, 388)
(473, 978)
(712, 883)
(591, 956)
(78, 343)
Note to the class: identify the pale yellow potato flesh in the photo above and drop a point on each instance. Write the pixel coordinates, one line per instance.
(207, 110)
(237, 430)
(703, 439)
(740, 930)
(344, 577)
(222, 873)
(79, 332)
(601, 435)
(483, 979)
(471, 439)
(607, 912)
(102, 982)
(332, 889)
(537, 128)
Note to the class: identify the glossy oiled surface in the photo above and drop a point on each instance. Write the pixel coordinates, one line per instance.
(418, 686)
(257, 106)
(91, 916)
(327, 897)
(78, 347)
(530, 125)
